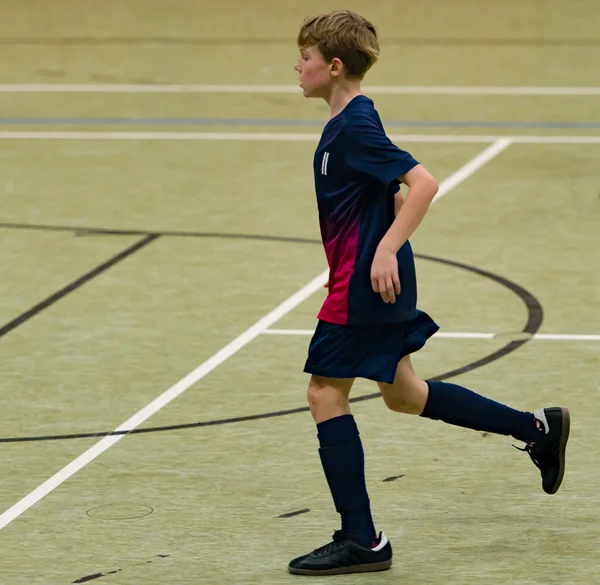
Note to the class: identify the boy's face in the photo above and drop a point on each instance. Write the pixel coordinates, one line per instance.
(314, 73)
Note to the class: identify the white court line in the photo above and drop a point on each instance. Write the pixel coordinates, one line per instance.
(289, 137)
(459, 335)
(560, 337)
(473, 165)
(180, 387)
(164, 399)
(295, 89)
(438, 334)
(258, 136)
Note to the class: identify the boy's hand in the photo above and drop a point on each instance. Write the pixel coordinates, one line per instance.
(384, 275)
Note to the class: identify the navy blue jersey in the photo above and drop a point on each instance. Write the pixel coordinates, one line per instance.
(357, 170)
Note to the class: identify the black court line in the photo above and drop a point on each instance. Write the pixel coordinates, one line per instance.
(290, 41)
(535, 316)
(76, 284)
(91, 231)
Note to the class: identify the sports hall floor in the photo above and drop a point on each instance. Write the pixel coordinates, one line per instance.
(160, 273)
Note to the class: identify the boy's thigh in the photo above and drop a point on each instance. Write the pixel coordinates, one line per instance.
(405, 379)
(404, 369)
(327, 385)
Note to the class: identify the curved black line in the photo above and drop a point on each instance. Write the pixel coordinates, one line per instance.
(535, 315)
(275, 41)
(91, 231)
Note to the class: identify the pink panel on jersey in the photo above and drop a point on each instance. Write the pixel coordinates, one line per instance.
(341, 256)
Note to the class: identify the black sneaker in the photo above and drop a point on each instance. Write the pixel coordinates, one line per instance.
(548, 453)
(344, 556)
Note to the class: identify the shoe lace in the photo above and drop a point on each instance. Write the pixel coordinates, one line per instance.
(529, 450)
(338, 538)
(540, 460)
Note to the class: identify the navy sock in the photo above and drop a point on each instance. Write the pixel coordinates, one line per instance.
(343, 462)
(458, 406)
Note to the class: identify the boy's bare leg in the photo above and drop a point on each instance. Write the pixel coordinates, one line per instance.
(356, 547)
(544, 431)
(328, 397)
(408, 393)
(342, 456)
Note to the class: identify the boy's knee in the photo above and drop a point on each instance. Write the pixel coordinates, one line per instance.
(399, 404)
(328, 397)
(319, 392)
(409, 397)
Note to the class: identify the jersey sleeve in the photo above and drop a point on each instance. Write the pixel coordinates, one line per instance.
(369, 151)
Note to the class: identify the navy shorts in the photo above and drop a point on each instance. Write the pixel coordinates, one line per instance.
(369, 351)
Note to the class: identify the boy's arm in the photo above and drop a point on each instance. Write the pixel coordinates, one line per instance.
(398, 201)
(422, 188)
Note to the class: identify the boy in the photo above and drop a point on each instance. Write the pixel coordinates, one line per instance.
(369, 324)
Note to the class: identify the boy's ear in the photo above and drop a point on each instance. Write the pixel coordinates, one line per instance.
(336, 66)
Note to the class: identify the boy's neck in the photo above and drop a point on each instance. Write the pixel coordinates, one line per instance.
(341, 95)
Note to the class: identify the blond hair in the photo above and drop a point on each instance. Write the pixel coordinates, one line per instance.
(345, 35)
